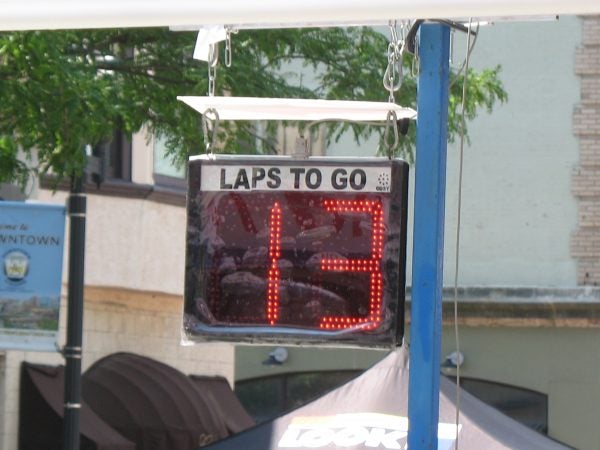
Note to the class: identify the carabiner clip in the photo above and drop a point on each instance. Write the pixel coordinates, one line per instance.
(209, 144)
(391, 122)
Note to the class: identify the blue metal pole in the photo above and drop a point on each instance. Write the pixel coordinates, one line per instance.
(428, 237)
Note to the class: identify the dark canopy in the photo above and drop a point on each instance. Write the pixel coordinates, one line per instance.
(152, 404)
(41, 412)
(370, 412)
(130, 403)
(235, 415)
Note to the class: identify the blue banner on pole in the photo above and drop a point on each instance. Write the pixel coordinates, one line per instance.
(31, 254)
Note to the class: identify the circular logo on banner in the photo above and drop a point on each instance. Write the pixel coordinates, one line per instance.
(16, 266)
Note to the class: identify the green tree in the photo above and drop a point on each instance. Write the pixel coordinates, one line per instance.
(61, 90)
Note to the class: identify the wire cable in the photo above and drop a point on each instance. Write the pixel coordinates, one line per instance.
(470, 47)
(458, 217)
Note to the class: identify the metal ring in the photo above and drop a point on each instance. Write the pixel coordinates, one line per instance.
(209, 144)
(391, 122)
(213, 54)
(228, 56)
(212, 80)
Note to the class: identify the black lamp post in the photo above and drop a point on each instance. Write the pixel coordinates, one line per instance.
(72, 349)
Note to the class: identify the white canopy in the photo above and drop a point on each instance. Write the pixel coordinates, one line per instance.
(62, 14)
(250, 108)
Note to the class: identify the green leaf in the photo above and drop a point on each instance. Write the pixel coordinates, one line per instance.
(61, 90)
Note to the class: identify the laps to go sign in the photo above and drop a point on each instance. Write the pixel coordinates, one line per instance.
(293, 251)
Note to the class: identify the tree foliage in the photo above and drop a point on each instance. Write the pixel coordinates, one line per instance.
(61, 90)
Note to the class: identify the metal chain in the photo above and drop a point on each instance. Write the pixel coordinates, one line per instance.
(228, 57)
(458, 221)
(416, 64)
(392, 80)
(213, 59)
(393, 76)
(212, 79)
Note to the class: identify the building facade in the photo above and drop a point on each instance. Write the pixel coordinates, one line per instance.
(528, 301)
(134, 276)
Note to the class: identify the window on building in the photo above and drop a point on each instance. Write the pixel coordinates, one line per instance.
(525, 406)
(268, 397)
(117, 154)
(166, 173)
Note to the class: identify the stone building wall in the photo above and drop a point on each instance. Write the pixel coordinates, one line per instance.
(133, 300)
(585, 244)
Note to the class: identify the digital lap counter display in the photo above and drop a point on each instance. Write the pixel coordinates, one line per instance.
(287, 250)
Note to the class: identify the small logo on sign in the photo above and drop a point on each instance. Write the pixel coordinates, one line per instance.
(383, 182)
(16, 266)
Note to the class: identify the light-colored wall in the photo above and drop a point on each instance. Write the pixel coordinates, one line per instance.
(563, 363)
(133, 302)
(148, 324)
(249, 360)
(585, 245)
(142, 154)
(131, 243)
(518, 211)
(116, 320)
(518, 214)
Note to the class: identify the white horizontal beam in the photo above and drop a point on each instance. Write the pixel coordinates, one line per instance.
(72, 14)
(253, 108)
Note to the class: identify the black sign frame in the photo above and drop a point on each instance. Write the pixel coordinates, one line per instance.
(217, 179)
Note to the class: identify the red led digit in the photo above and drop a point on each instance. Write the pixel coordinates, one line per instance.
(274, 275)
(371, 265)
